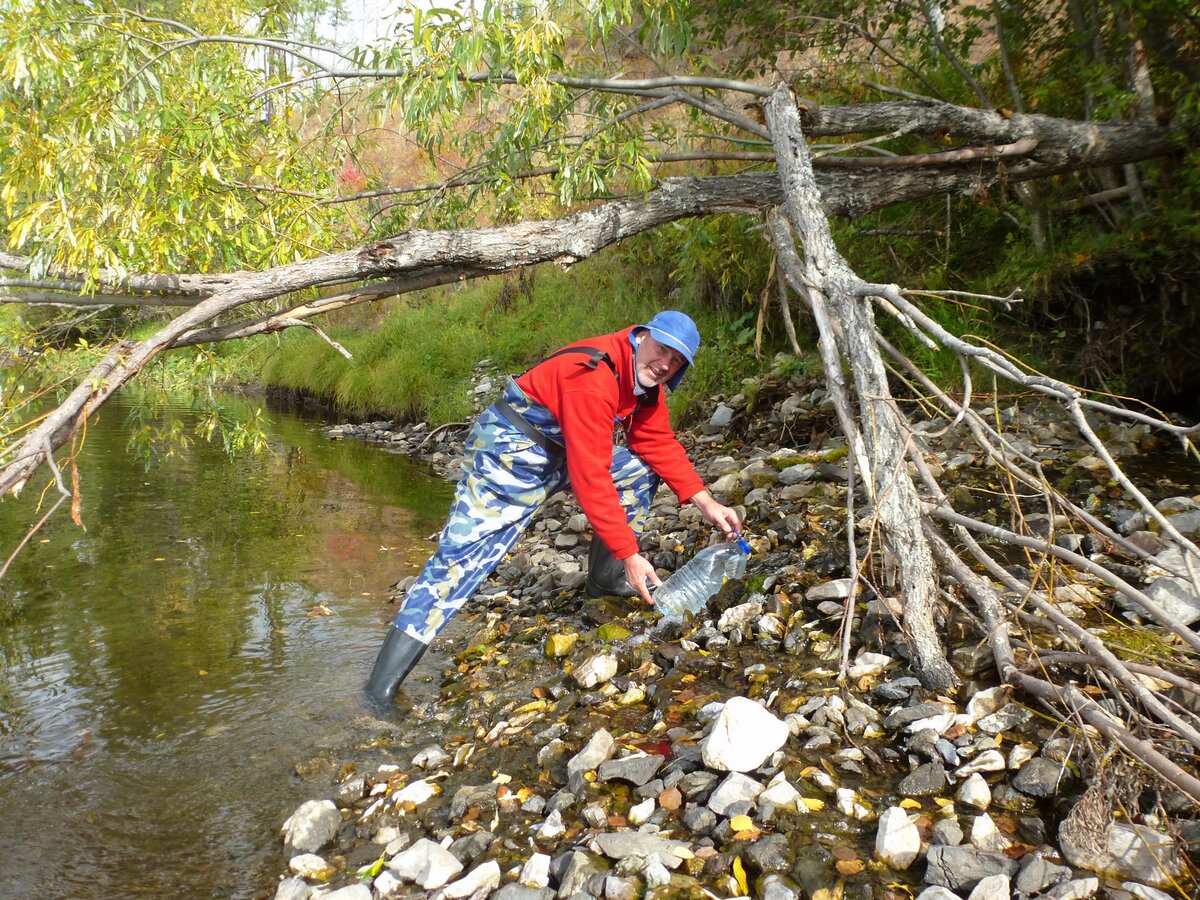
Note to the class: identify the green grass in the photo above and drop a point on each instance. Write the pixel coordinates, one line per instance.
(415, 360)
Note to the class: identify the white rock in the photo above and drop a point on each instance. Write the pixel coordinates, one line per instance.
(428, 864)
(350, 892)
(1076, 889)
(431, 757)
(937, 892)
(994, 887)
(553, 827)
(939, 723)
(1019, 755)
(536, 871)
(485, 877)
(386, 882)
(1144, 891)
(850, 804)
(309, 865)
(869, 664)
(313, 825)
(641, 813)
(838, 589)
(987, 761)
(743, 737)
(298, 889)
(984, 703)
(415, 794)
(975, 792)
(782, 795)
(736, 788)
(1132, 852)
(986, 836)
(596, 670)
(897, 842)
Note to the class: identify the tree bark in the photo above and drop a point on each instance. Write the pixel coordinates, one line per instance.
(883, 434)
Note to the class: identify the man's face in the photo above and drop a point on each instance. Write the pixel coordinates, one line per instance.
(656, 363)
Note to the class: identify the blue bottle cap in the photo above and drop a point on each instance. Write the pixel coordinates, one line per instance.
(743, 546)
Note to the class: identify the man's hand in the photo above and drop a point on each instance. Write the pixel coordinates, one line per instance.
(718, 514)
(637, 571)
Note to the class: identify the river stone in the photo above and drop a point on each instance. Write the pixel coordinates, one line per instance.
(721, 419)
(780, 794)
(994, 887)
(986, 836)
(975, 792)
(777, 887)
(620, 844)
(470, 847)
(1130, 853)
(426, 863)
(906, 715)
(313, 825)
(293, 889)
(937, 892)
(739, 616)
(311, 866)
(1037, 874)
(597, 750)
(699, 819)
(484, 879)
(948, 832)
(1144, 891)
(1040, 777)
(552, 828)
(637, 770)
(770, 853)
(734, 790)
(987, 761)
(596, 670)
(961, 868)
(521, 892)
(536, 871)
(869, 664)
(1076, 889)
(1004, 719)
(743, 737)
(838, 589)
(927, 780)
(641, 813)
(1176, 597)
(797, 473)
(414, 794)
(897, 842)
(469, 795)
(350, 892)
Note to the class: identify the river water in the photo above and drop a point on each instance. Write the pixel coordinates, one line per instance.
(165, 669)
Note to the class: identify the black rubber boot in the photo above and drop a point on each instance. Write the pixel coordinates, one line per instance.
(606, 575)
(397, 656)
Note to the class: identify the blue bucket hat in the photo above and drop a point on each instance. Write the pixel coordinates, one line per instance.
(677, 331)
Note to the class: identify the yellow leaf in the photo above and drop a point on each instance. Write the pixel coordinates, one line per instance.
(814, 804)
(739, 872)
(741, 823)
(909, 803)
(943, 802)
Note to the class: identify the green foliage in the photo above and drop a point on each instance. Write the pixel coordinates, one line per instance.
(115, 154)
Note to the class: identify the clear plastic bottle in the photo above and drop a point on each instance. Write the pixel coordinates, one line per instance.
(699, 578)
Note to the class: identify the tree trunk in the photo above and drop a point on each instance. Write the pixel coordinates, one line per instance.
(882, 432)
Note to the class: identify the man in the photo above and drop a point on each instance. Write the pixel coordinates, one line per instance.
(553, 424)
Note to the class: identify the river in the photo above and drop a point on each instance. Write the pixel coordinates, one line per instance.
(165, 669)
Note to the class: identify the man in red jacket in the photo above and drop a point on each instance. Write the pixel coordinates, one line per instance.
(552, 425)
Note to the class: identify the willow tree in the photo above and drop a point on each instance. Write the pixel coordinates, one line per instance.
(188, 177)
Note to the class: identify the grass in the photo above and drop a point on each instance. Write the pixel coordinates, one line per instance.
(415, 358)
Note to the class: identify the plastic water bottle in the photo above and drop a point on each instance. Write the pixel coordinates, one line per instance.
(689, 589)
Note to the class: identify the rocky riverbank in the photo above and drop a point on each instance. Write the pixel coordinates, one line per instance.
(586, 748)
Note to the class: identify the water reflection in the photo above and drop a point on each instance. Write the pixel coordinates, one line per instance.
(164, 669)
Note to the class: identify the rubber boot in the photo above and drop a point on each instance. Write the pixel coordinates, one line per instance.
(397, 656)
(606, 575)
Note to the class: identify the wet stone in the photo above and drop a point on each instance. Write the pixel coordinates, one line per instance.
(700, 819)
(620, 844)
(907, 715)
(470, 847)
(521, 892)
(1040, 777)
(636, 770)
(961, 868)
(735, 789)
(770, 853)
(1037, 874)
(927, 780)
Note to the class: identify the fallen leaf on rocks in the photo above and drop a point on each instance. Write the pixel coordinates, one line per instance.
(670, 799)
(910, 803)
(617, 822)
(706, 852)
(1006, 824)
(850, 866)
(739, 872)
(843, 852)
(750, 834)
(741, 823)
(813, 804)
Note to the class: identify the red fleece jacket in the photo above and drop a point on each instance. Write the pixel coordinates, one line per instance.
(586, 402)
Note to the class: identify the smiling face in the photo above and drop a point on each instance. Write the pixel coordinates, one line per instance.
(656, 363)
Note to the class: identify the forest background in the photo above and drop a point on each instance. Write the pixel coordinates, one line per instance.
(198, 137)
